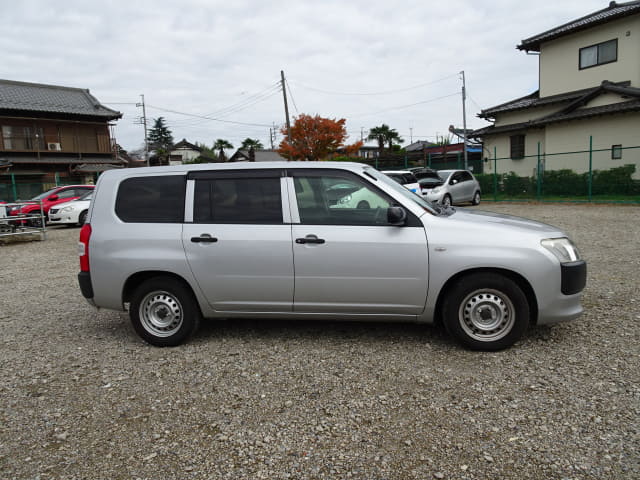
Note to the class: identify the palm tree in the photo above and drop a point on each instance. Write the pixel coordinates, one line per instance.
(384, 134)
(247, 143)
(221, 144)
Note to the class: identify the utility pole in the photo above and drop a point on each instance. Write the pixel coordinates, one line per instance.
(464, 122)
(286, 106)
(411, 134)
(144, 122)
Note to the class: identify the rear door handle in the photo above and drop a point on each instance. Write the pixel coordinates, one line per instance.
(204, 238)
(310, 239)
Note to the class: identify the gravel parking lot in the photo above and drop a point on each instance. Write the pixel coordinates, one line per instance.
(82, 397)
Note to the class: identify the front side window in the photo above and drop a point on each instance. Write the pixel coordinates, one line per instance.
(339, 198)
(605, 52)
(238, 200)
(152, 199)
(517, 146)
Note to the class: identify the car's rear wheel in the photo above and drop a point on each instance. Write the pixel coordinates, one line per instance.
(446, 200)
(476, 198)
(164, 311)
(486, 311)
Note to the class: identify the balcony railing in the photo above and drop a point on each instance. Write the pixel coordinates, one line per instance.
(68, 144)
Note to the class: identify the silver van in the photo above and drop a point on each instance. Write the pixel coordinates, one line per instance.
(284, 240)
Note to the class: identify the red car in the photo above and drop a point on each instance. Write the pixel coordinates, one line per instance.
(50, 198)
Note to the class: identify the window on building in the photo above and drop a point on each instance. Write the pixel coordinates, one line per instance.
(605, 52)
(616, 152)
(517, 146)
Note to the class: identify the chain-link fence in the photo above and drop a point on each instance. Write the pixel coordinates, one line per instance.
(595, 175)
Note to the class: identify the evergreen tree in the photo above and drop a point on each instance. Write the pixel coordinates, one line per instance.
(160, 137)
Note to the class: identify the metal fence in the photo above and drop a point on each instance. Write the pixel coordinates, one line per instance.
(13, 189)
(609, 175)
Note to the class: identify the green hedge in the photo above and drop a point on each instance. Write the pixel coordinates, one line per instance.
(565, 183)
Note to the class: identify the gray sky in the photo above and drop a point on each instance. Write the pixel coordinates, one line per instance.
(370, 62)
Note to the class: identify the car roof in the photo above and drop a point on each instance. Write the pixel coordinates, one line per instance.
(397, 171)
(183, 169)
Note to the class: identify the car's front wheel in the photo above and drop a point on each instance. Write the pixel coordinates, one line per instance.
(82, 218)
(164, 311)
(446, 200)
(476, 198)
(486, 311)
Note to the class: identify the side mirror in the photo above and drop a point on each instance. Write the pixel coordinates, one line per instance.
(396, 216)
(53, 198)
(453, 182)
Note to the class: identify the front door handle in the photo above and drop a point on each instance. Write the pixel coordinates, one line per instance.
(204, 238)
(310, 239)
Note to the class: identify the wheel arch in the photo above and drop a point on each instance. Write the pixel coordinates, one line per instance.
(138, 278)
(522, 282)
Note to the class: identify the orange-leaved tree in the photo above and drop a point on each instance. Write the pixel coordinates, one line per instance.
(315, 138)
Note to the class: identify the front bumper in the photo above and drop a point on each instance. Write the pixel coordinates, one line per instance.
(566, 305)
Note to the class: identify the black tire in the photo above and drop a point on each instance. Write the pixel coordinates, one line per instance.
(446, 200)
(476, 198)
(363, 204)
(36, 220)
(486, 311)
(164, 312)
(82, 218)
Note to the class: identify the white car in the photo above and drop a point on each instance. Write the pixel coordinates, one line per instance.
(406, 179)
(71, 213)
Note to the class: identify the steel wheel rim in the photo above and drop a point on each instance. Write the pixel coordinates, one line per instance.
(446, 201)
(487, 315)
(476, 198)
(160, 313)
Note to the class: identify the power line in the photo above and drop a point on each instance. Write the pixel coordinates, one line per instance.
(291, 94)
(387, 92)
(206, 118)
(400, 107)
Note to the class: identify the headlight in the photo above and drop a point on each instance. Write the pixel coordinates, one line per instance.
(66, 210)
(562, 248)
(435, 190)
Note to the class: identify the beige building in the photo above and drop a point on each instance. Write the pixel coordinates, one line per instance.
(589, 92)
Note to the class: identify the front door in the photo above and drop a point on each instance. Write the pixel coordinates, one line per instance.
(347, 258)
(238, 245)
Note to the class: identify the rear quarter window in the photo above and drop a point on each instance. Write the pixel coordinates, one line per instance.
(152, 199)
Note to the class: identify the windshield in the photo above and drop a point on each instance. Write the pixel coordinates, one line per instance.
(444, 174)
(406, 193)
(44, 195)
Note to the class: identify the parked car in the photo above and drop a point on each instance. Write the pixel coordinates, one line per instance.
(180, 243)
(71, 213)
(458, 186)
(49, 198)
(406, 179)
(428, 181)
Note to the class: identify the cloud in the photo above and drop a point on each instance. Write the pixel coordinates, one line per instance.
(200, 56)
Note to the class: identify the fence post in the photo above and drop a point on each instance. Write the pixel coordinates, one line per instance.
(458, 160)
(57, 179)
(590, 166)
(495, 174)
(429, 159)
(14, 188)
(539, 177)
(405, 161)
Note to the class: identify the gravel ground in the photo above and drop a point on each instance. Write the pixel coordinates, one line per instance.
(81, 397)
